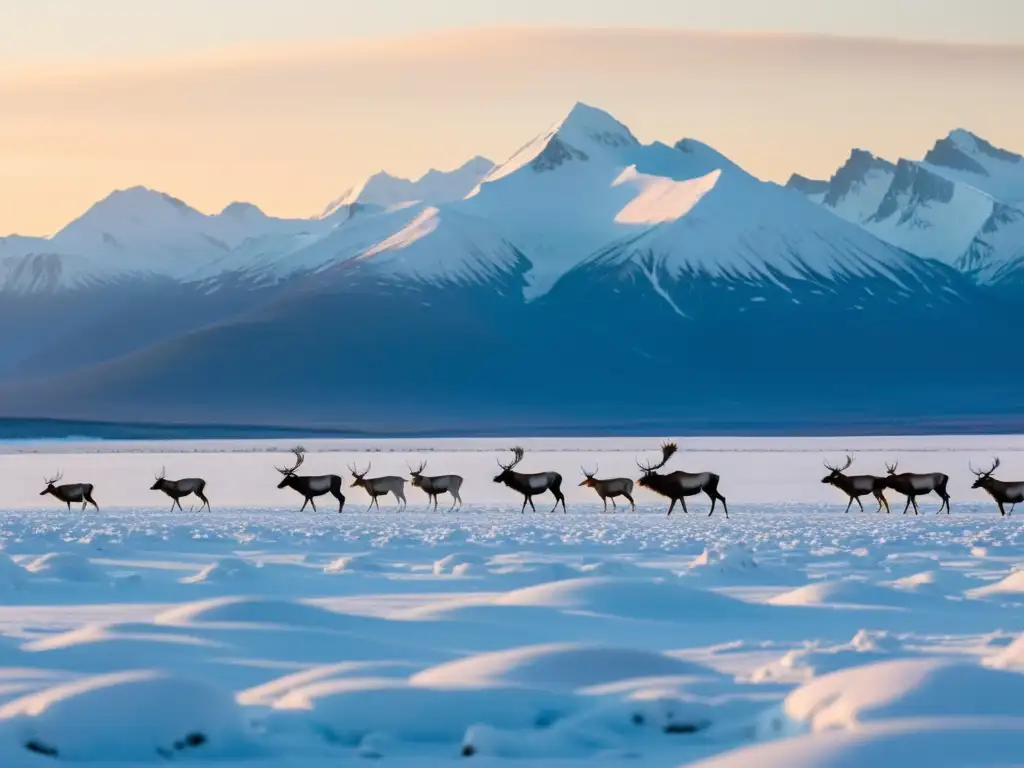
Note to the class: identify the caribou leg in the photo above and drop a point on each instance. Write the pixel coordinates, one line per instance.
(671, 507)
(908, 504)
(682, 500)
(525, 499)
(631, 502)
(914, 499)
(848, 505)
(530, 498)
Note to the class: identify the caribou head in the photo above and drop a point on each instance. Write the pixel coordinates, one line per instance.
(289, 472)
(51, 484)
(159, 484)
(834, 473)
(650, 471)
(984, 478)
(506, 469)
(417, 474)
(588, 478)
(359, 478)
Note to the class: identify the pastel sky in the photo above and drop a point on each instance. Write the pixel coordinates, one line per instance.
(286, 103)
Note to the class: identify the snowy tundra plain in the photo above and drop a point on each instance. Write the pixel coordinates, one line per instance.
(790, 635)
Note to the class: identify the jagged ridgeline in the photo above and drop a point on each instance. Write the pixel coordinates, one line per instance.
(589, 282)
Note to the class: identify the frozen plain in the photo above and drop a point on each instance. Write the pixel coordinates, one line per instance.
(253, 635)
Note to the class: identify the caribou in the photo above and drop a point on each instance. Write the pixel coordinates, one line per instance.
(855, 486)
(609, 489)
(179, 489)
(913, 485)
(530, 485)
(676, 486)
(435, 486)
(310, 486)
(379, 486)
(1002, 492)
(70, 492)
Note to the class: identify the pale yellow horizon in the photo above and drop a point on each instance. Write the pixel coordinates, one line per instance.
(290, 127)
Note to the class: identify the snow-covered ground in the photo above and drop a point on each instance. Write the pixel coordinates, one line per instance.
(255, 635)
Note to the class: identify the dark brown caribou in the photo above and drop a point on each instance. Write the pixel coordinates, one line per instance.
(179, 489)
(610, 488)
(530, 485)
(310, 486)
(69, 492)
(855, 486)
(913, 485)
(1001, 491)
(676, 486)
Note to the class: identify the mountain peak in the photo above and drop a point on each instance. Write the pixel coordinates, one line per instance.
(240, 210)
(585, 124)
(432, 188)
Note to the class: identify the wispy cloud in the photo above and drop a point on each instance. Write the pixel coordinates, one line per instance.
(290, 126)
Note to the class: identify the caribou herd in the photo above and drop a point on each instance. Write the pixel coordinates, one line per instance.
(674, 486)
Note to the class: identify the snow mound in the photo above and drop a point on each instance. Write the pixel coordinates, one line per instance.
(906, 688)
(458, 564)
(142, 715)
(66, 566)
(940, 582)
(230, 570)
(251, 610)
(1010, 587)
(803, 664)
(554, 667)
(934, 743)
(1011, 657)
(346, 711)
(847, 592)
(646, 599)
(727, 564)
(363, 563)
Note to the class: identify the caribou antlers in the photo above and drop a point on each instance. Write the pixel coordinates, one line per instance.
(518, 457)
(589, 475)
(414, 472)
(667, 451)
(359, 475)
(846, 466)
(162, 475)
(300, 456)
(995, 466)
(891, 468)
(56, 479)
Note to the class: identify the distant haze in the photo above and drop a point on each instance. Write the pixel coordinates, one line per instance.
(290, 126)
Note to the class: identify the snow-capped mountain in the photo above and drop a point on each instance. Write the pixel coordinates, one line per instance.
(958, 205)
(965, 157)
(433, 188)
(585, 260)
(134, 234)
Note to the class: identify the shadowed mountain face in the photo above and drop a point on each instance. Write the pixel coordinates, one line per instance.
(590, 282)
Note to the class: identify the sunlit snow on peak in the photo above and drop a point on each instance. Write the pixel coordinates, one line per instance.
(660, 199)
